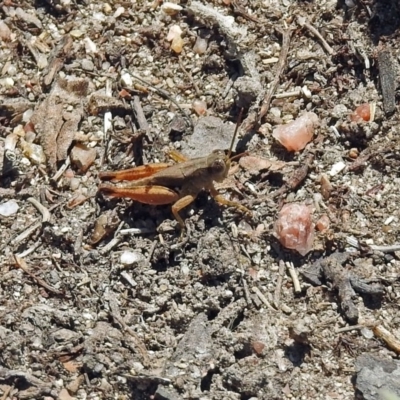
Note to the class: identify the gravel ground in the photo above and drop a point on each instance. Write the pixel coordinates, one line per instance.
(101, 298)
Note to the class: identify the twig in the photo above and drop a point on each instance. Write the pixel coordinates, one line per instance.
(382, 333)
(302, 21)
(286, 34)
(277, 295)
(350, 328)
(118, 237)
(107, 122)
(190, 77)
(239, 10)
(257, 291)
(128, 278)
(20, 262)
(135, 231)
(115, 314)
(27, 232)
(387, 77)
(165, 95)
(246, 292)
(151, 251)
(7, 392)
(140, 117)
(30, 250)
(295, 279)
(42, 209)
(294, 93)
(384, 249)
(61, 170)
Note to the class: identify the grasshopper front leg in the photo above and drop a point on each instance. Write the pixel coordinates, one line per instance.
(221, 200)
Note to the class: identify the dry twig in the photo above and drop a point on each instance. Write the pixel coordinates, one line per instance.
(115, 314)
(295, 278)
(302, 21)
(20, 262)
(257, 291)
(286, 34)
(281, 273)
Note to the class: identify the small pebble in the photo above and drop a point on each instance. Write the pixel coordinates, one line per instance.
(130, 257)
(171, 8)
(76, 33)
(87, 65)
(200, 46)
(90, 46)
(367, 333)
(5, 32)
(295, 135)
(126, 79)
(119, 12)
(199, 106)
(74, 184)
(82, 157)
(336, 168)
(107, 8)
(8, 208)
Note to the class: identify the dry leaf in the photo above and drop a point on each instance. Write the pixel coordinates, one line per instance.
(256, 164)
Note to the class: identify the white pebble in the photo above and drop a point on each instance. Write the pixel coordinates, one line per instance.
(306, 92)
(389, 220)
(130, 257)
(8, 208)
(126, 79)
(171, 8)
(336, 168)
(90, 46)
(367, 333)
(119, 12)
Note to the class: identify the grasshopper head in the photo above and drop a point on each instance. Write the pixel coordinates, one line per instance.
(218, 165)
(219, 161)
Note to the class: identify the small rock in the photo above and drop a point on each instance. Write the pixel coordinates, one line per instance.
(323, 223)
(130, 257)
(73, 386)
(82, 157)
(87, 65)
(210, 133)
(171, 8)
(247, 91)
(64, 335)
(64, 395)
(8, 208)
(364, 112)
(336, 168)
(339, 111)
(174, 36)
(295, 135)
(199, 106)
(377, 377)
(5, 32)
(200, 46)
(294, 228)
(178, 124)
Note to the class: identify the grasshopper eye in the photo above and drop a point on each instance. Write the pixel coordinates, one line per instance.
(218, 165)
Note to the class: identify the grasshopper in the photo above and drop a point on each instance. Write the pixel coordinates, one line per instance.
(156, 183)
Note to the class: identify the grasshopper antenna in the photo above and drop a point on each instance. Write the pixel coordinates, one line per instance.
(239, 120)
